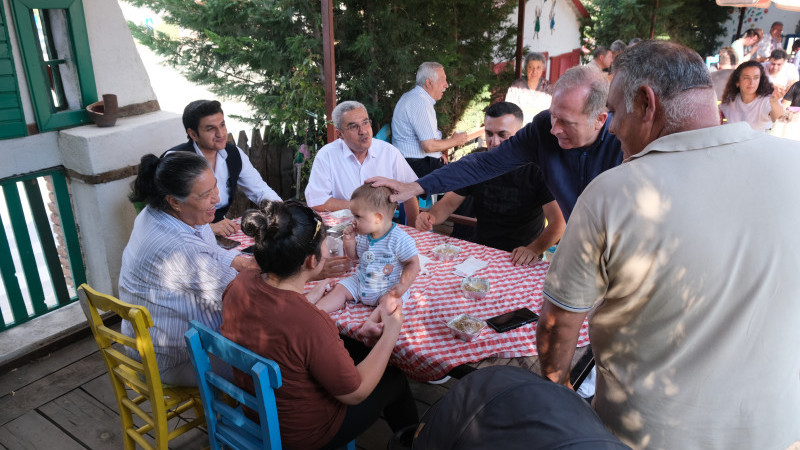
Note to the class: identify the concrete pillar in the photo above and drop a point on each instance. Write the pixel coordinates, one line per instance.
(100, 163)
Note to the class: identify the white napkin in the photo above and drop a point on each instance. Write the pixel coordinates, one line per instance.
(423, 262)
(469, 267)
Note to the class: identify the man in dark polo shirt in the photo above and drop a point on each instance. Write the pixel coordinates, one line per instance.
(510, 208)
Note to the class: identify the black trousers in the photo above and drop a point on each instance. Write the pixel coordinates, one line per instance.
(424, 166)
(392, 396)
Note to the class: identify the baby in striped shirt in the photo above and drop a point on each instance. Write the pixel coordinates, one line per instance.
(388, 260)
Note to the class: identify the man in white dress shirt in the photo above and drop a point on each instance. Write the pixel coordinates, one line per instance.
(770, 42)
(344, 164)
(205, 127)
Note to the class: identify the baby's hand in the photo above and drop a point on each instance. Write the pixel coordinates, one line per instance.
(349, 232)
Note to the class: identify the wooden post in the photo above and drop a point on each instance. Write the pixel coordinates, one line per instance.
(520, 35)
(653, 20)
(741, 21)
(328, 64)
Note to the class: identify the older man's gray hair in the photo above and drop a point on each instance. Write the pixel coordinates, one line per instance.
(676, 74)
(617, 47)
(427, 70)
(341, 108)
(595, 80)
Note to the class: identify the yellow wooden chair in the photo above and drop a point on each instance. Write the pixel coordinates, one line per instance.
(165, 402)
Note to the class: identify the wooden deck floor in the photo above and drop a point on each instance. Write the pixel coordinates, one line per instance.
(64, 401)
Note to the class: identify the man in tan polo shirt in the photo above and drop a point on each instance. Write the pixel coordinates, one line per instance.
(687, 256)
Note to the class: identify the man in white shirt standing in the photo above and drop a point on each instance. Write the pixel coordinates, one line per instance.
(749, 40)
(770, 42)
(414, 128)
(344, 164)
(205, 127)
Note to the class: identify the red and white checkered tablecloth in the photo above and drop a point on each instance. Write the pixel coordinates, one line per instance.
(426, 350)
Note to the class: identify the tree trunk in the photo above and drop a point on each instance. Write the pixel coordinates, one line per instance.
(653, 20)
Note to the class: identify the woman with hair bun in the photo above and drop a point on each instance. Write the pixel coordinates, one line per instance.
(326, 400)
(172, 264)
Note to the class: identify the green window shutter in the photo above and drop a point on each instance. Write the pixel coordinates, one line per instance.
(12, 118)
(38, 83)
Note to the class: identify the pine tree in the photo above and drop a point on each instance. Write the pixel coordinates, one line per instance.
(698, 24)
(268, 53)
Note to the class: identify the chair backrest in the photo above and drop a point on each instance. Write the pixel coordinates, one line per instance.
(385, 133)
(142, 376)
(226, 424)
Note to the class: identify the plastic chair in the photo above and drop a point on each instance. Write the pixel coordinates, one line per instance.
(385, 133)
(229, 425)
(165, 402)
(400, 214)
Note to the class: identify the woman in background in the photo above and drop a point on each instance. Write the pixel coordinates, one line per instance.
(750, 97)
(531, 92)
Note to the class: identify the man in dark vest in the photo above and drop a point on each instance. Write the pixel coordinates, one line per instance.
(205, 127)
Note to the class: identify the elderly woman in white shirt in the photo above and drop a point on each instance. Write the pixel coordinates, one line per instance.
(531, 92)
(750, 97)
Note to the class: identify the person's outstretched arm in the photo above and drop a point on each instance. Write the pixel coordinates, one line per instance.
(521, 149)
(439, 212)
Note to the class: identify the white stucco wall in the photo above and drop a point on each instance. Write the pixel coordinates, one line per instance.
(118, 69)
(103, 212)
(563, 38)
(761, 18)
(28, 154)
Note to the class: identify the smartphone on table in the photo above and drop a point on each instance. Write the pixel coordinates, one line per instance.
(513, 319)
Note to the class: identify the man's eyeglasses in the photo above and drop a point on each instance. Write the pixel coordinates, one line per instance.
(358, 126)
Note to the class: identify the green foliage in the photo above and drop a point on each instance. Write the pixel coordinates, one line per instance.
(697, 24)
(472, 118)
(382, 43)
(268, 53)
(261, 52)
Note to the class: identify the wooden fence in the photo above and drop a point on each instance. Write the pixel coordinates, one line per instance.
(275, 163)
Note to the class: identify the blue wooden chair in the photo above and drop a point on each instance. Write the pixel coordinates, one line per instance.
(228, 425)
